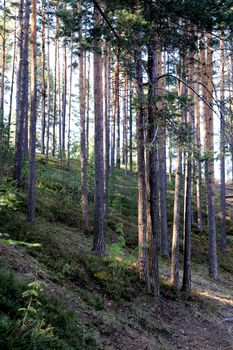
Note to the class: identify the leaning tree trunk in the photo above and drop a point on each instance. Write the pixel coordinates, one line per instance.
(99, 240)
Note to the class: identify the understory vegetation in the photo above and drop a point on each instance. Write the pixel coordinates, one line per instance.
(57, 294)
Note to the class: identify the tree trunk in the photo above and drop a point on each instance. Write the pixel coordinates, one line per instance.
(207, 92)
(115, 113)
(3, 35)
(99, 240)
(222, 147)
(12, 83)
(175, 278)
(70, 101)
(55, 90)
(162, 165)
(186, 286)
(106, 122)
(59, 101)
(43, 111)
(48, 84)
(175, 275)
(83, 154)
(64, 96)
(198, 147)
(142, 191)
(130, 128)
(32, 148)
(88, 104)
(152, 172)
(125, 125)
(22, 93)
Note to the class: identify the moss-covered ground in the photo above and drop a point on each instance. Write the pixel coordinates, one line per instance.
(56, 294)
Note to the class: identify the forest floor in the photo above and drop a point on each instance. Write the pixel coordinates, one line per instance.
(95, 303)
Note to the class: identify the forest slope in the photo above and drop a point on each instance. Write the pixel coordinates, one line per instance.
(80, 301)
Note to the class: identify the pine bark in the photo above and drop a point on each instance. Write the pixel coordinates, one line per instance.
(115, 111)
(207, 92)
(186, 285)
(176, 231)
(222, 147)
(12, 83)
(70, 101)
(99, 239)
(48, 85)
(22, 88)
(162, 165)
(32, 148)
(55, 90)
(44, 92)
(198, 147)
(106, 123)
(142, 190)
(83, 153)
(2, 96)
(152, 171)
(64, 99)
(130, 128)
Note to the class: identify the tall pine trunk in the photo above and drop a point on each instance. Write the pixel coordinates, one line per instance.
(162, 164)
(99, 240)
(12, 83)
(207, 92)
(48, 84)
(83, 153)
(222, 147)
(142, 191)
(32, 142)
(186, 285)
(106, 122)
(176, 230)
(43, 107)
(2, 96)
(152, 171)
(22, 88)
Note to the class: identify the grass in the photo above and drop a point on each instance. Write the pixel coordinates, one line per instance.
(87, 302)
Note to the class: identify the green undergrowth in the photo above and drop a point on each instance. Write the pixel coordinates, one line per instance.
(30, 319)
(101, 295)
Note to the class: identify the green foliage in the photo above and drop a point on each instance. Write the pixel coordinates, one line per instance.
(29, 319)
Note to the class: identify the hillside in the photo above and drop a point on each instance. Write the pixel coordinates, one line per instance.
(77, 300)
